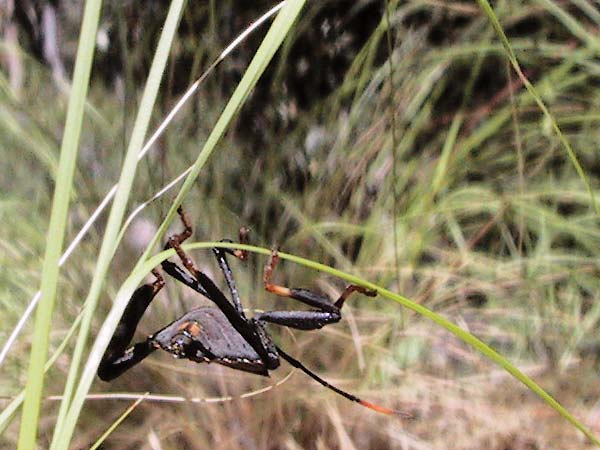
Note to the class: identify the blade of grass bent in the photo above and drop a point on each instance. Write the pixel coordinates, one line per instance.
(270, 44)
(56, 229)
(143, 269)
(69, 413)
(463, 335)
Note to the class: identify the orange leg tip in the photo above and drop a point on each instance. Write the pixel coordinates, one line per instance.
(183, 326)
(278, 290)
(384, 410)
(240, 254)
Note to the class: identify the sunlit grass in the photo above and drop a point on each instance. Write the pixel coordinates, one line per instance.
(496, 232)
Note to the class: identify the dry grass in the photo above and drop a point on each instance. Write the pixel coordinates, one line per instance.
(497, 235)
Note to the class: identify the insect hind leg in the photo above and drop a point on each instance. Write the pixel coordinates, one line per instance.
(380, 409)
(118, 358)
(320, 301)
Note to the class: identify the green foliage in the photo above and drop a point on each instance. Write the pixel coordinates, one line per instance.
(57, 227)
(488, 187)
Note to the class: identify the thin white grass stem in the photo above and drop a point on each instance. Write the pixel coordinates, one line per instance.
(156, 196)
(263, 56)
(270, 44)
(250, 29)
(69, 410)
(109, 196)
(20, 324)
(177, 398)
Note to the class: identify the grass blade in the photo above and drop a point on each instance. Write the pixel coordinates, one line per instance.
(463, 335)
(484, 4)
(117, 422)
(57, 227)
(265, 53)
(69, 413)
(270, 44)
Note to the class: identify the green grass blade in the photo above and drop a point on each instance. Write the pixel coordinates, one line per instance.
(138, 275)
(270, 44)
(117, 422)
(57, 227)
(484, 4)
(9, 411)
(575, 27)
(463, 335)
(69, 413)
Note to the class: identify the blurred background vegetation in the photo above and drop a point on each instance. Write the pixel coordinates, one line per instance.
(439, 179)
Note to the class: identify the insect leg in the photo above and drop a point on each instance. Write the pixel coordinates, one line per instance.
(221, 256)
(381, 409)
(353, 288)
(117, 357)
(182, 276)
(251, 331)
(300, 320)
(188, 278)
(198, 280)
(176, 240)
(192, 281)
(320, 301)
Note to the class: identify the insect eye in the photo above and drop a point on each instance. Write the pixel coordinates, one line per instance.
(179, 344)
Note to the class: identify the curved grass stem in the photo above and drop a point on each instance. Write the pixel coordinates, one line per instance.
(463, 335)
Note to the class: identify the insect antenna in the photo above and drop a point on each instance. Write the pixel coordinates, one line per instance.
(381, 409)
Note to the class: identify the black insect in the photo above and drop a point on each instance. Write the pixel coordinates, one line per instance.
(223, 335)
